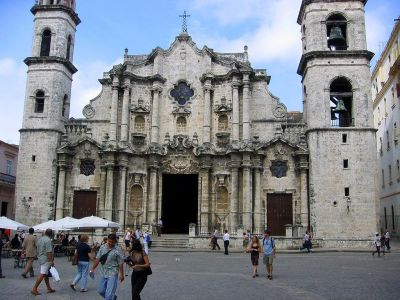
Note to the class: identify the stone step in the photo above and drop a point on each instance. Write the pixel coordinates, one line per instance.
(170, 241)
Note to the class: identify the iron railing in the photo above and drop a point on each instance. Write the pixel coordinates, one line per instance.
(7, 178)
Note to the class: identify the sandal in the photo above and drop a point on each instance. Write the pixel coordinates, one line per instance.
(51, 291)
(36, 293)
(72, 286)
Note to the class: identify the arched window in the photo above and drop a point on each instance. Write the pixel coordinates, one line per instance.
(64, 112)
(46, 41)
(69, 47)
(222, 199)
(140, 124)
(39, 102)
(181, 125)
(341, 96)
(336, 30)
(223, 123)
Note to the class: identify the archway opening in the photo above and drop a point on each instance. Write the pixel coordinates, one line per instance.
(179, 202)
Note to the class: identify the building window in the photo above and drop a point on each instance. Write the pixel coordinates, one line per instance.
(390, 175)
(223, 123)
(347, 191)
(345, 163)
(87, 167)
(380, 146)
(393, 227)
(344, 138)
(387, 140)
(9, 167)
(384, 209)
(39, 102)
(336, 30)
(69, 48)
(33, 157)
(341, 98)
(383, 178)
(181, 125)
(395, 134)
(65, 106)
(398, 169)
(140, 124)
(46, 42)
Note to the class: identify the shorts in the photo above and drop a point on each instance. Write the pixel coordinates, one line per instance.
(268, 259)
(44, 269)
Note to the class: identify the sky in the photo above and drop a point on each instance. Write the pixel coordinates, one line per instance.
(268, 27)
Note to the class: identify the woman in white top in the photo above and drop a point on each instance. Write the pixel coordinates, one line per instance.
(226, 241)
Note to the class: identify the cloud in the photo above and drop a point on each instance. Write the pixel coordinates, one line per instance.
(86, 85)
(269, 29)
(12, 81)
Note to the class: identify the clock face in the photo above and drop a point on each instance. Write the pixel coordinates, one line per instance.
(182, 93)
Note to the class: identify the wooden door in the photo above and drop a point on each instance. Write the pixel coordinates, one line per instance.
(279, 213)
(84, 204)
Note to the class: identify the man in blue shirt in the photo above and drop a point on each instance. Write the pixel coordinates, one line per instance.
(269, 252)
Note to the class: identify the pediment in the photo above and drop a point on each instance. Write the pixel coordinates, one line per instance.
(68, 146)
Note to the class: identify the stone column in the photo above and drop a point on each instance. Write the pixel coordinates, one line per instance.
(258, 213)
(60, 193)
(247, 193)
(154, 138)
(101, 205)
(152, 207)
(125, 111)
(303, 191)
(205, 194)
(114, 110)
(235, 110)
(207, 112)
(108, 206)
(234, 203)
(122, 195)
(246, 107)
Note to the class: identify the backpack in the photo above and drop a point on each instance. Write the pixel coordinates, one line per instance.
(272, 242)
(148, 238)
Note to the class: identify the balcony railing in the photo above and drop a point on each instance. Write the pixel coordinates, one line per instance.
(7, 178)
(342, 122)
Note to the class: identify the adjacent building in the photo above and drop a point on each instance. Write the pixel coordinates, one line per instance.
(195, 136)
(386, 99)
(8, 170)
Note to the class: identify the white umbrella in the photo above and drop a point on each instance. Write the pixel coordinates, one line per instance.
(93, 222)
(7, 223)
(43, 226)
(64, 223)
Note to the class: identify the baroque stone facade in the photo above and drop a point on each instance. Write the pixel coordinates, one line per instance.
(191, 135)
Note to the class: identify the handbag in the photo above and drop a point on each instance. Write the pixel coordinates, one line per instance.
(148, 271)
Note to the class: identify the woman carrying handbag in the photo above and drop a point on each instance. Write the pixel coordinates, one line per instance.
(81, 259)
(140, 264)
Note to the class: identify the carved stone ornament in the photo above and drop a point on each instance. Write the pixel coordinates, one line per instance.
(278, 168)
(88, 111)
(87, 167)
(180, 164)
(180, 142)
(280, 152)
(279, 111)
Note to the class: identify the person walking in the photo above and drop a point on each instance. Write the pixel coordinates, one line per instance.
(140, 264)
(377, 243)
(387, 240)
(45, 257)
(146, 240)
(159, 227)
(29, 247)
(127, 239)
(269, 252)
(226, 241)
(112, 267)
(307, 242)
(83, 253)
(254, 248)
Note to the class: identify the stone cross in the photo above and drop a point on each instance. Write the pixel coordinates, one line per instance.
(184, 23)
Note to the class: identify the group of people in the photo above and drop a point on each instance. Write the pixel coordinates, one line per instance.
(381, 243)
(143, 237)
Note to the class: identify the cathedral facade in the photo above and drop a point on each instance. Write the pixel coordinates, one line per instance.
(194, 136)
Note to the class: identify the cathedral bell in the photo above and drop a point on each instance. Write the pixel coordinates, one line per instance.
(336, 40)
(340, 108)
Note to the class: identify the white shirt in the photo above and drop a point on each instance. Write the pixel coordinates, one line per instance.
(127, 236)
(387, 235)
(226, 237)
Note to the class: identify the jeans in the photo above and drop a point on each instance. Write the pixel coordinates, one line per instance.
(108, 286)
(226, 245)
(83, 269)
(138, 280)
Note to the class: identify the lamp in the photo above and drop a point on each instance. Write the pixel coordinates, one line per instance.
(348, 204)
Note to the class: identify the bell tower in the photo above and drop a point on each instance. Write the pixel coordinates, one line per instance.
(46, 107)
(337, 108)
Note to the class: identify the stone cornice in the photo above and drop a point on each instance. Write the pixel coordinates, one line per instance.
(331, 54)
(304, 3)
(40, 129)
(66, 9)
(51, 59)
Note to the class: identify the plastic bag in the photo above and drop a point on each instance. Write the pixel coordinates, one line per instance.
(54, 274)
